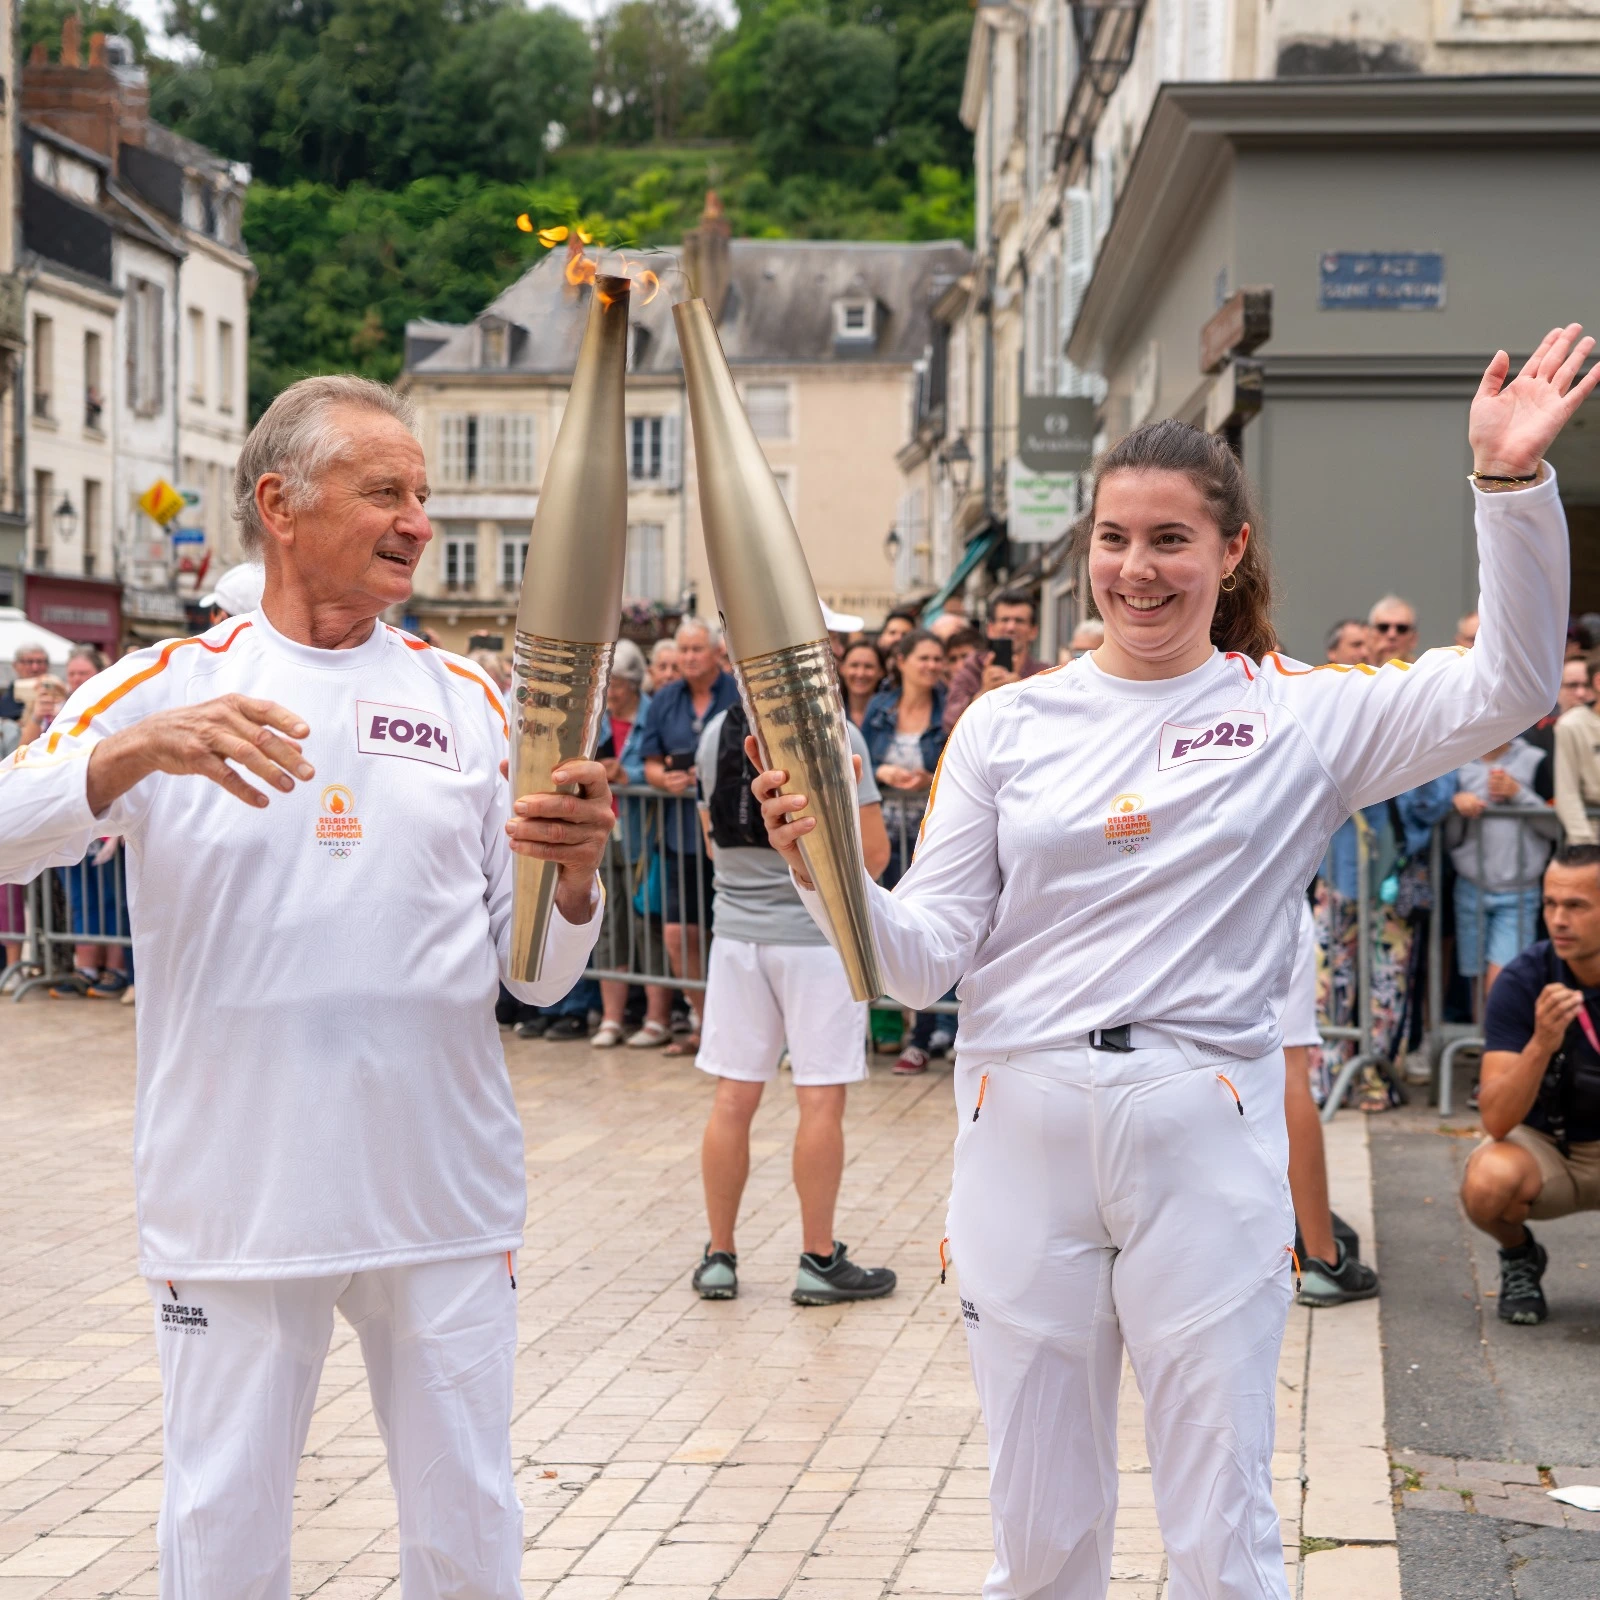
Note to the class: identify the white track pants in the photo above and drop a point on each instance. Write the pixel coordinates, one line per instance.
(1103, 1199)
(239, 1370)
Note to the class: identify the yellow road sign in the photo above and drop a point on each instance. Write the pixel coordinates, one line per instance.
(161, 501)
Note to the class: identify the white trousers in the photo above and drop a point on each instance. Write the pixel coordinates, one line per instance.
(240, 1363)
(1104, 1199)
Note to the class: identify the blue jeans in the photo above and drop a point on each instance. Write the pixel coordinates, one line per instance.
(1510, 919)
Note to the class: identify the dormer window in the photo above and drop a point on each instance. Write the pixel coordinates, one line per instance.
(638, 346)
(496, 342)
(854, 321)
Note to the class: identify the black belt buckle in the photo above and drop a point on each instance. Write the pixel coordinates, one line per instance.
(1118, 1040)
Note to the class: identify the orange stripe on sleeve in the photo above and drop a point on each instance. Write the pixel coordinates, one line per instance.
(158, 666)
(411, 642)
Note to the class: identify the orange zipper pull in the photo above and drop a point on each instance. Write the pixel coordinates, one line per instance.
(983, 1083)
(944, 1260)
(1295, 1262)
(1231, 1090)
(510, 1270)
(174, 1291)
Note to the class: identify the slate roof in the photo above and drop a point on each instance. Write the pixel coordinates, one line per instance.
(779, 309)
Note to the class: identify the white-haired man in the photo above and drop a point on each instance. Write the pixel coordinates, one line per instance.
(1391, 630)
(323, 1117)
(671, 737)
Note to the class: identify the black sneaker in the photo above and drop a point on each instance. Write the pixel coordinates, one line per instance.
(1322, 1285)
(533, 1027)
(827, 1280)
(567, 1028)
(717, 1276)
(1521, 1268)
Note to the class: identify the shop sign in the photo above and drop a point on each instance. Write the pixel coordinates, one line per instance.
(1040, 506)
(1380, 280)
(1055, 433)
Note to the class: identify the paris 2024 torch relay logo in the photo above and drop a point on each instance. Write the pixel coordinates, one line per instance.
(1128, 826)
(338, 826)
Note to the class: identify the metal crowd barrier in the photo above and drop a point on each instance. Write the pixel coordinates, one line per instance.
(646, 871)
(1444, 1041)
(62, 908)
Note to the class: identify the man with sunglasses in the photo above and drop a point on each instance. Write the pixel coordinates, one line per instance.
(1540, 1094)
(1392, 630)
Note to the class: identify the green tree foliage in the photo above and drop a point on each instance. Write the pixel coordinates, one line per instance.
(395, 142)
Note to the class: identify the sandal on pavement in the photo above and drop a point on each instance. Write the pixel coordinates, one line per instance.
(687, 1044)
(912, 1060)
(607, 1036)
(649, 1036)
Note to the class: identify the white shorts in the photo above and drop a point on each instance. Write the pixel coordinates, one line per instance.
(1299, 1019)
(760, 995)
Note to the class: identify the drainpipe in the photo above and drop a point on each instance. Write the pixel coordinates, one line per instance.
(992, 269)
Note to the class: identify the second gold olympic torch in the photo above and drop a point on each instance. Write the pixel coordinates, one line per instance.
(777, 639)
(571, 602)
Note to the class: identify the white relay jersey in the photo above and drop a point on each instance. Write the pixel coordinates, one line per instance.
(1100, 851)
(321, 1087)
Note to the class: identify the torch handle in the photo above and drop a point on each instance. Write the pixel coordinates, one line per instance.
(559, 696)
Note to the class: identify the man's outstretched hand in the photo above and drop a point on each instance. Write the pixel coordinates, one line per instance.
(258, 735)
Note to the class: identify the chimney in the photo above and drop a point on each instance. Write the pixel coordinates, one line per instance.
(97, 49)
(706, 261)
(69, 40)
(39, 56)
(98, 106)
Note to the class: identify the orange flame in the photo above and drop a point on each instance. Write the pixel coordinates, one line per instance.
(525, 222)
(648, 278)
(580, 269)
(548, 237)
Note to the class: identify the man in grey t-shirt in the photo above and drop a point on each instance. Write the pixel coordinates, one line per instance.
(774, 978)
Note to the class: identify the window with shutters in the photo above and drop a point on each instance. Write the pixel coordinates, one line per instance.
(653, 456)
(146, 347)
(768, 407)
(513, 554)
(507, 449)
(460, 556)
(645, 577)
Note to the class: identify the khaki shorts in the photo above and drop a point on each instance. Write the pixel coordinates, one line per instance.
(1571, 1183)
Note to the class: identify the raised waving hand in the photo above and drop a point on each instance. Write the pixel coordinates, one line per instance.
(1513, 424)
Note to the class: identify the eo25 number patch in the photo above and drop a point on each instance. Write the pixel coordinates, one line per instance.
(1229, 737)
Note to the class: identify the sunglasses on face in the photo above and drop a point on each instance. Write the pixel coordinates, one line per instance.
(1393, 627)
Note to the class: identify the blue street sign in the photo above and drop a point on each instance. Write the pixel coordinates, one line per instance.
(188, 536)
(1380, 280)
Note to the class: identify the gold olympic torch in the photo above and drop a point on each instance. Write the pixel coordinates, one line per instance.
(777, 639)
(571, 602)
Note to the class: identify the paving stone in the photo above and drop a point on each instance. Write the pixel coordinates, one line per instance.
(667, 1449)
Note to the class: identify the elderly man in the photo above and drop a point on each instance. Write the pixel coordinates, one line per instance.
(1392, 631)
(323, 1119)
(669, 742)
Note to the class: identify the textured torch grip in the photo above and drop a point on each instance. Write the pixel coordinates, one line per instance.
(559, 696)
(795, 710)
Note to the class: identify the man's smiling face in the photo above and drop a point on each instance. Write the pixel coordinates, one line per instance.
(360, 539)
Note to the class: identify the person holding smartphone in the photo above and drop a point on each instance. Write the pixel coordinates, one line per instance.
(1013, 628)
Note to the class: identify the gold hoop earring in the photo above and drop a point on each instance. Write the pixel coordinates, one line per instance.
(1229, 583)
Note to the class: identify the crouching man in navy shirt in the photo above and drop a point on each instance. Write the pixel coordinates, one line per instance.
(1540, 1093)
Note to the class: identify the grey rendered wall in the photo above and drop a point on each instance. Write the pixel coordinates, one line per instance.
(1361, 497)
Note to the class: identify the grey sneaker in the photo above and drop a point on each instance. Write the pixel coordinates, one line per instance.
(828, 1280)
(717, 1276)
(1521, 1268)
(1322, 1285)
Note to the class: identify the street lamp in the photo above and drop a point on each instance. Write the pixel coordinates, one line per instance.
(958, 463)
(66, 519)
(891, 543)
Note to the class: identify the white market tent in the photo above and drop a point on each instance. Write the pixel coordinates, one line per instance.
(16, 630)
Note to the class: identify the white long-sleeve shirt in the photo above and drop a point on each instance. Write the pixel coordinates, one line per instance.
(321, 1087)
(1100, 851)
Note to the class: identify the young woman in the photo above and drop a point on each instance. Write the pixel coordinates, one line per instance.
(904, 729)
(860, 673)
(1112, 864)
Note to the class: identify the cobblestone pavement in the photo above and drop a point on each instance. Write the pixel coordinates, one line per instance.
(666, 1447)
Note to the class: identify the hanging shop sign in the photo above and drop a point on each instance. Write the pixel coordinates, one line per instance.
(1040, 506)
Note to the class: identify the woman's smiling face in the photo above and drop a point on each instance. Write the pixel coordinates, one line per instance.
(1156, 560)
(862, 669)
